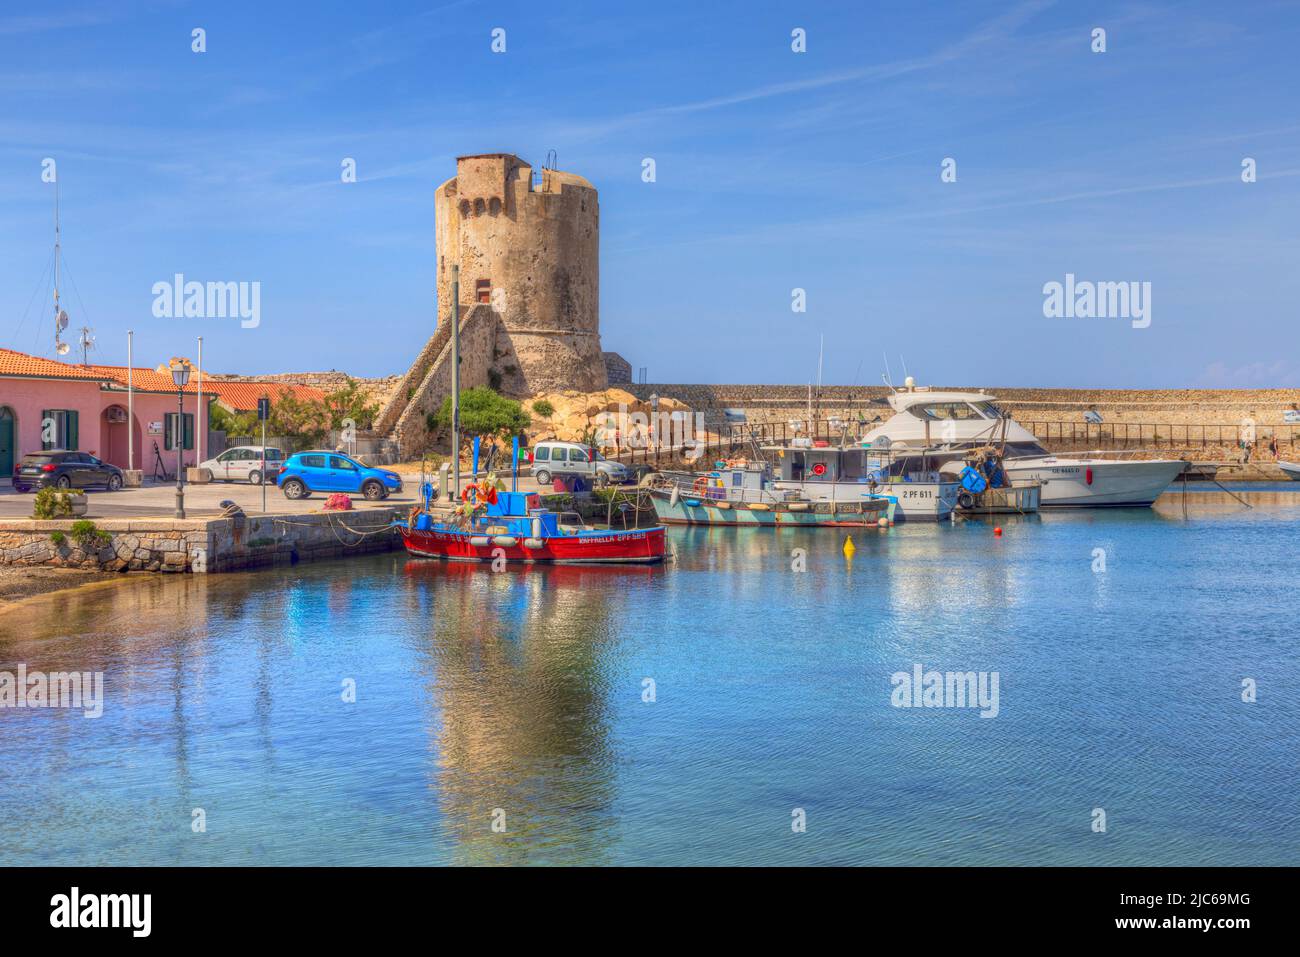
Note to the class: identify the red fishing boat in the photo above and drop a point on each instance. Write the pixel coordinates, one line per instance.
(513, 527)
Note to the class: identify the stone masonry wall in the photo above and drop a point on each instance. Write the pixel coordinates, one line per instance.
(200, 545)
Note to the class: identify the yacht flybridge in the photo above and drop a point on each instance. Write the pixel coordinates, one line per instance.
(948, 423)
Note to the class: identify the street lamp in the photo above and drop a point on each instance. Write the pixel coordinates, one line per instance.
(181, 376)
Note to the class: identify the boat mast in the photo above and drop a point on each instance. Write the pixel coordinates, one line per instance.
(455, 382)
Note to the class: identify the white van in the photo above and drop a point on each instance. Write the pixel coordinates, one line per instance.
(564, 459)
(246, 463)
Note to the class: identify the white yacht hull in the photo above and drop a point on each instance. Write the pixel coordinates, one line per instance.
(1291, 470)
(1095, 483)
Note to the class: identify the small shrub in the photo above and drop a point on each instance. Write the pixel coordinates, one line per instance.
(51, 503)
(88, 536)
(543, 408)
(58, 538)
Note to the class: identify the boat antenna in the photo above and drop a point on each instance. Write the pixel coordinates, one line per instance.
(888, 377)
(904, 364)
(60, 317)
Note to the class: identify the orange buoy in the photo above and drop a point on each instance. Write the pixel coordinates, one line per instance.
(997, 532)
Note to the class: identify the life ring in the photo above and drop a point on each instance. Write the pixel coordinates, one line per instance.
(819, 468)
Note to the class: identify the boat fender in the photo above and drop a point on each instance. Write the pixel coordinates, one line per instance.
(505, 541)
(723, 505)
(479, 540)
(1088, 474)
(692, 502)
(534, 543)
(674, 497)
(760, 507)
(965, 500)
(798, 506)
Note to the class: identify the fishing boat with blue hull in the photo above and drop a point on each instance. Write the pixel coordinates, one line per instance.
(744, 493)
(492, 525)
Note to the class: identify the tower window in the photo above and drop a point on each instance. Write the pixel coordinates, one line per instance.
(483, 290)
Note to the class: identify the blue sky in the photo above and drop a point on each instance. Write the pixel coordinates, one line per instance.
(775, 170)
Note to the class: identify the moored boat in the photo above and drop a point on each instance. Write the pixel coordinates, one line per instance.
(959, 421)
(745, 493)
(850, 474)
(495, 526)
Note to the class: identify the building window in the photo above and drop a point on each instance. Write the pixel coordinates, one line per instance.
(483, 290)
(59, 429)
(169, 431)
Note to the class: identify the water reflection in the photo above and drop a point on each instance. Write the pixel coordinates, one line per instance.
(520, 690)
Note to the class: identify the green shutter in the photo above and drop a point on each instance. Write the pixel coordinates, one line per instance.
(188, 427)
(72, 431)
(169, 428)
(45, 414)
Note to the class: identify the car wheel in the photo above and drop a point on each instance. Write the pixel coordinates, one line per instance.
(114, 483)
(63, 482)
(295, 489)
(372, 490)
(543, 477)
(602, 480)
(255, 477)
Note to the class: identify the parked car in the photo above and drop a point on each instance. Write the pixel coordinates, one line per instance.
(564, 459)
(64, 469)
(320, 471)
(246, 463)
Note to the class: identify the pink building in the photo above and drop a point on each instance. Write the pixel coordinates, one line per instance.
(46, 404)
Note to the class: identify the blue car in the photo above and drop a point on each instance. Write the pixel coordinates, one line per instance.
(318, 471)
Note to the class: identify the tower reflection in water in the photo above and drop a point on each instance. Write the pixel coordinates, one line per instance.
(519, 671)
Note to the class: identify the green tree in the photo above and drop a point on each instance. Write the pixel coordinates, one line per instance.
(305, 420)
(350, 402)
(232, 423)
(484, 413)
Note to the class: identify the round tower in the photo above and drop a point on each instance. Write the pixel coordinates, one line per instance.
(528, 249)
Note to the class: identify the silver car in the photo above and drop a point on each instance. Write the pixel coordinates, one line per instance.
(246, 463)
(551, 459)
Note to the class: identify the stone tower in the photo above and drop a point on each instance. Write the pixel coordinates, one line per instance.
(530, 251)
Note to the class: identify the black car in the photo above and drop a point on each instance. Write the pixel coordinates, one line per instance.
(64, 470)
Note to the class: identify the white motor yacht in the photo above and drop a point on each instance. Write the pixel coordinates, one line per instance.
(955, 421)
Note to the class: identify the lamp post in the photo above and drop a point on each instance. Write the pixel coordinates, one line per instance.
(181, 376)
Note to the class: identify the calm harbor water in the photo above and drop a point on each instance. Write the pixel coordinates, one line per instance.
(523, 691)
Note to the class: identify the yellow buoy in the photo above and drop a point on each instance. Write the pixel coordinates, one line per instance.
(849, 547)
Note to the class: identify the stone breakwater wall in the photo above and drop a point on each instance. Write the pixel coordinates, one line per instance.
(1174, 406)
(198, 545)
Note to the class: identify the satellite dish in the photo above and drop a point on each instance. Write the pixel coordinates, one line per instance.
(62, 348)
(61, 321)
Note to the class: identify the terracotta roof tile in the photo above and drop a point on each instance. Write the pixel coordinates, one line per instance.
(241, 396)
